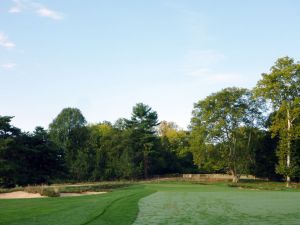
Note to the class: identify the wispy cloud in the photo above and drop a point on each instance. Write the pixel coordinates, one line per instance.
(17, 7)
(5, 42)
(204, 65)
(225, 77)
(8, 66)
(210, 75)
(39, 9)
(45, 12)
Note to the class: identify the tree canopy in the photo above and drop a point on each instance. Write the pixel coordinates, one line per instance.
(234, 130)
(225, 121)
(282, 88)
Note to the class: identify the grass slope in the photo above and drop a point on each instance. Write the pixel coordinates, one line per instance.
(117, 207)
(159, 203)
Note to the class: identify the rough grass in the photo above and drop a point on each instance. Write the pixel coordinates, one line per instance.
(265, 185)
(168, 202)
(104, 186)
(67, 188)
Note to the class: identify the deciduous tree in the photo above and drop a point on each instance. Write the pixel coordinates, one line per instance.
(281, 86)
(224, 122)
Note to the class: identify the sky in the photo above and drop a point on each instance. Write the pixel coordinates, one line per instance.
(103, 57)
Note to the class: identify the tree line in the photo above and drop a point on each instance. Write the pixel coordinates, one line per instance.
(235, 130)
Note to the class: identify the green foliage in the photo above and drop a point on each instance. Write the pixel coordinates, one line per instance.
(282, 88)
(66, 121)
(68, 131)
(175, 149)
(265, 156)
(27, 158)
(227, 134)
(143, 118)
(112, 154)
(8, 133)
(223, 130)
(281, 84)
(143, 141)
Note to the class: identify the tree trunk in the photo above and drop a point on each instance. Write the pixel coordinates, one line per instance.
(235, 177)
(288, 155)
(146, 165)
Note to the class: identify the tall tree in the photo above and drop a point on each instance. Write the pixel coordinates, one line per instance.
(8, 134)
(265, 156)
(111, 156)
(27, 158)
(65, 131)
(224, 121)
(175, 144)
(142, 124)
(41, 158)
(61, 127)
(281, 86)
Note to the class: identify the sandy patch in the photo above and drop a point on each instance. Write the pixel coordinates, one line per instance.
(23, 194)
(80, 194)
(20, 194)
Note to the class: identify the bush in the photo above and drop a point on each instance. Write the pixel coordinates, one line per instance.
(33, 189)
(49, 193)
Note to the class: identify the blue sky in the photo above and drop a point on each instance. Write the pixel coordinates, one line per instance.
(105, 56)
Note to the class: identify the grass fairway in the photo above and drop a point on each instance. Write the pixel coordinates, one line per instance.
(162, 203)
(117, 207)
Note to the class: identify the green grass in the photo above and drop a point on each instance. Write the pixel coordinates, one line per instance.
(218, 204)
(117, 207)
(160, 203)
(265, 185)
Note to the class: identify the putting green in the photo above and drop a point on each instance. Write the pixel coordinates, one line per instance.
(234, 207)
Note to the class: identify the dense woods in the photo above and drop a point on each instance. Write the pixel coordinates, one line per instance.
(235, 130)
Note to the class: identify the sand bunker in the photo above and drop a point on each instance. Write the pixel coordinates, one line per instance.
(20, 194)
(23, 194)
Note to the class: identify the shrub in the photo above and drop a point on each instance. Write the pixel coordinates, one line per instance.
(49, 192)
(33, 189)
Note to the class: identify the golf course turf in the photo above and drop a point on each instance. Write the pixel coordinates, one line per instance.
(159, 203)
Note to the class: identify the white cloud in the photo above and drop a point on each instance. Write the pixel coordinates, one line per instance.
(45, 12)
(5, 42)
(8, 66)
(39, 9)
(14, 9)
(17, 7)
